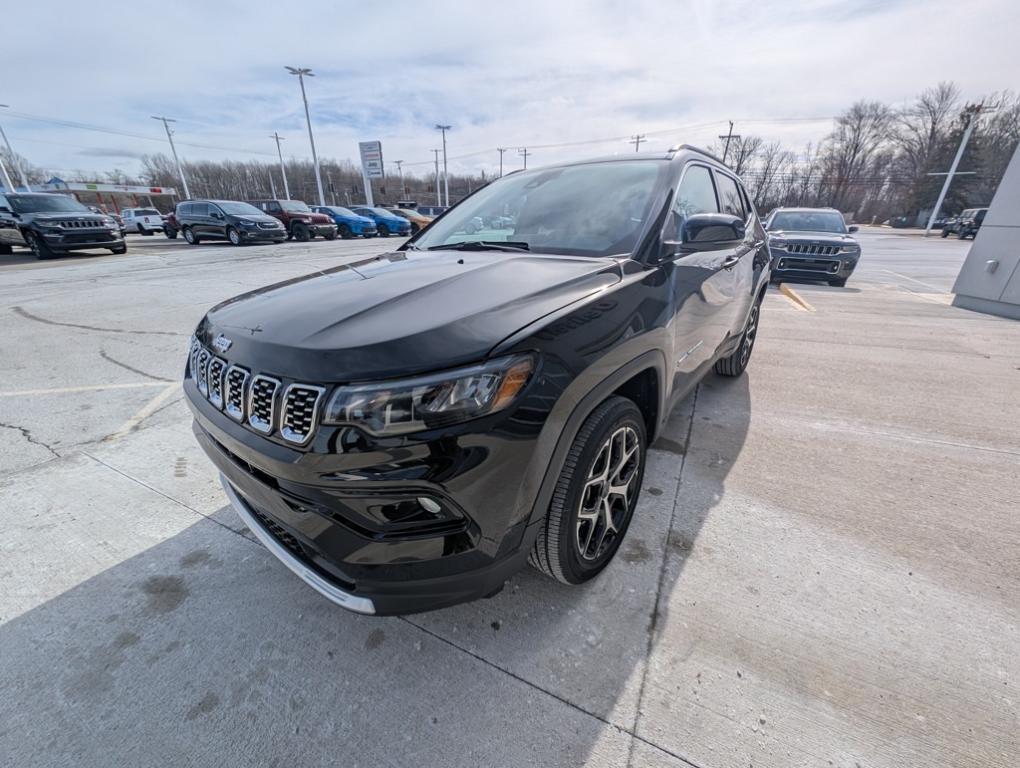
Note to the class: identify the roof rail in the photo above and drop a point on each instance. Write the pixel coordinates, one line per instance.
(699, 150)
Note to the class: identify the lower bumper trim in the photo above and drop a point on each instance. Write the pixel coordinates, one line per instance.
(332, 593)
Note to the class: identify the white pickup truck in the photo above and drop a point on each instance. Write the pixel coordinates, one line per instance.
(142, 220)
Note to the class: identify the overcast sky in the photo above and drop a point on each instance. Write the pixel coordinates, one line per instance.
(502, 73)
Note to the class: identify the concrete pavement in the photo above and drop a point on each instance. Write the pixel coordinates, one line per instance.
(822, 570)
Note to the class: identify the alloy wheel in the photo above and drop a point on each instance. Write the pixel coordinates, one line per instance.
(608, 493)
(749, 336)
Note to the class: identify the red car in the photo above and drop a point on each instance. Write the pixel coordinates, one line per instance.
(302, 222)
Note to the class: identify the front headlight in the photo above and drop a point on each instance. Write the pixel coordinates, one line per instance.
(246, 223)
(777, 244)
(433, 401)
(850, 249)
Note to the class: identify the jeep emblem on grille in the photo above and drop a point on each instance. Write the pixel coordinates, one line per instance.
(222, 343)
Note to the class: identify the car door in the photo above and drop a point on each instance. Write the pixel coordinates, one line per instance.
(747, 255)
(216, 221)
(700, 285)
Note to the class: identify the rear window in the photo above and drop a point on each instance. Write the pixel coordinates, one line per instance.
(147, 212)
(730, 200)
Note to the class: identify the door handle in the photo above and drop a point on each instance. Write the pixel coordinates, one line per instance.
(731, 262)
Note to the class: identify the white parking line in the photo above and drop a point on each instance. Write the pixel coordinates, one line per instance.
(915, 280)
(91, 388)
(147, 410)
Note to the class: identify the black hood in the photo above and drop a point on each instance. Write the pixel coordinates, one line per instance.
(258, 218)
(398, 314)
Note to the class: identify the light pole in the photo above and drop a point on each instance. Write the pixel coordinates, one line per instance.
(439, 198)
(972, 115)
(170, 137)
(400, 171)
(283, 170)
(446, 177)
(501, 150)
(301, 72)
(14, 160)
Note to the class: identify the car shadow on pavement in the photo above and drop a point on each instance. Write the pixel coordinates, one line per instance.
(203, 650)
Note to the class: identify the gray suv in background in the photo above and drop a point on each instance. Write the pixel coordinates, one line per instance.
(812, 244)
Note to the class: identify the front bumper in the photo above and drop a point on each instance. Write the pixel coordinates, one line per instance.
(329, 509)
(322, 229)
(255, 233)
(73, 241)
(804, 267)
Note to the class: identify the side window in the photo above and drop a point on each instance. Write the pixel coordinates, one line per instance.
(696, 194)
(273, 207)
(730, 200)
(199, 209)
(3, 202)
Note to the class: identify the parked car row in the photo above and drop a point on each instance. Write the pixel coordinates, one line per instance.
(966, 224)
(52, 224)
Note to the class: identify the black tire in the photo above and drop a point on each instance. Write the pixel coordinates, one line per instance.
(39, 246)
(139, 228)
(170, 232)
(961, 235)
(301, 233)
(383, 231)
(330, 235)
(558, 551)
(736, 363)
(191, 237)
(838, 283)
(234, 236)
(5, 250)
(945, 232)
(120, 250)
(345, 232)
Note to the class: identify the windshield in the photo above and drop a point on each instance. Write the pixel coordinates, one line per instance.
(379, 211)
(240, 209)
(295, 206)
(808, 221)
(596, 209)
(45, 204)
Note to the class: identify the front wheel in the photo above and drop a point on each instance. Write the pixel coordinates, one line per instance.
(330, 235)
(301, 233)
(170, 232)
(962, 235)
(234, 236)
(735, 364)
(39, 247)
(345, 232)
(945, 232)
(383, 230)
(191, 237)
(595, 495)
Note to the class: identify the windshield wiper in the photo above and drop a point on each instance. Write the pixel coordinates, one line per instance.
(482, 245)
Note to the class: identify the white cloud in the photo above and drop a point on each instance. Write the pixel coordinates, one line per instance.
(503, 74)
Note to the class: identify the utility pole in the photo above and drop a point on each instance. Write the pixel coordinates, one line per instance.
(636, 141)
(524, 152)
(301, 73)
(8, 184)
(283, 169)
(972, 116)
(439, 200)
(446, 177)
(14, 159)
(728, 137)
(332, 189)
(170, 137)
(501, 150)
(400, 172)
(272, 186)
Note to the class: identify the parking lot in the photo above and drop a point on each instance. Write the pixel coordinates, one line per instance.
(823, 569)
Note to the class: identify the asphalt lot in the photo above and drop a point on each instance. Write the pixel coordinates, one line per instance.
(823, 569)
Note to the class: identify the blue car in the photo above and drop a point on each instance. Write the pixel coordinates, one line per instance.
(348, 223)
(385, 222)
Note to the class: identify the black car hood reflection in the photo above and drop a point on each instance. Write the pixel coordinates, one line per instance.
(400, 313)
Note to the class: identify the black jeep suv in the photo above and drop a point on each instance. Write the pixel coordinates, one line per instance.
(812, 244)
(240, 223)
(406, 431)
(51, 224)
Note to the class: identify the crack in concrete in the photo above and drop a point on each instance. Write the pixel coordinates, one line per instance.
(103, 354)
(20, 311)
(27, 434)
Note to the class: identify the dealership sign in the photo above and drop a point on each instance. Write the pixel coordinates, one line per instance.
(371, 159)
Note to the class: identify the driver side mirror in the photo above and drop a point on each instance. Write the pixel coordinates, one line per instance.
(702, 229)
(852, 228)
(216, 215)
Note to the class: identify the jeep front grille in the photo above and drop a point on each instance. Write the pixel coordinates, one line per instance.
(812, 249)
(214, 381)
(257, 400)
(262, 403)
(300, 411)
(235, 384)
